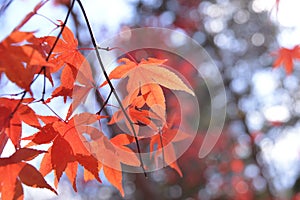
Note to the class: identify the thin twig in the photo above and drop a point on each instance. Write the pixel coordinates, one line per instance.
(54, 112)
(12, 95)
(18, 105)
(105, 102)
(162, 147)
(110, 84)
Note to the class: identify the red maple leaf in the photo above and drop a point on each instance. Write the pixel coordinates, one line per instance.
(14, 171)
(10, 124)
(75, 67)
(286, 58)
(18, 54)
(113, 175)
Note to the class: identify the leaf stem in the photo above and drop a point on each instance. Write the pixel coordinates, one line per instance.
(92, 48)
(44, 86)
(47, 18)
(110, 84)
(125, 52)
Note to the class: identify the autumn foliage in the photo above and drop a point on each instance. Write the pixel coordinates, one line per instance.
(26, 58)
(286, 57)
(77, 138)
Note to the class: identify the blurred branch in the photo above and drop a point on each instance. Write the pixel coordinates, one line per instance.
(255, 152)
(77, 25)
(4, 5)
(242, 117)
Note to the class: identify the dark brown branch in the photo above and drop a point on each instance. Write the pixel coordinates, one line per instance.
(105, 102)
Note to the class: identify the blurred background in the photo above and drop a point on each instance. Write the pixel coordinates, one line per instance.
(258, 153)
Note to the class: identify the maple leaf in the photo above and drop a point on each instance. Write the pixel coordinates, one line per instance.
(114, 176)
(151, 71)
(123, 139)
(112, 153)
(18, 54)
(286, 58)
(75, 67)
(138, 117)
(15, 171)
(162, 141)
(144, 81)
(150, 95)
(65, 51)
(107, 151)
(12, 124)
(67, 141)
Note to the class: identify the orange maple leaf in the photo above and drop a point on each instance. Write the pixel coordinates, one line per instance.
(150, 95)
(144, 88)
(12, 124)
(161, 140)
(139, 117)
(151, 71)
(107, 151)
(75, 67)
(68, 149)
(114, 176)
(286, 58)
(18, 54)
(15, 171)
(112, 153)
